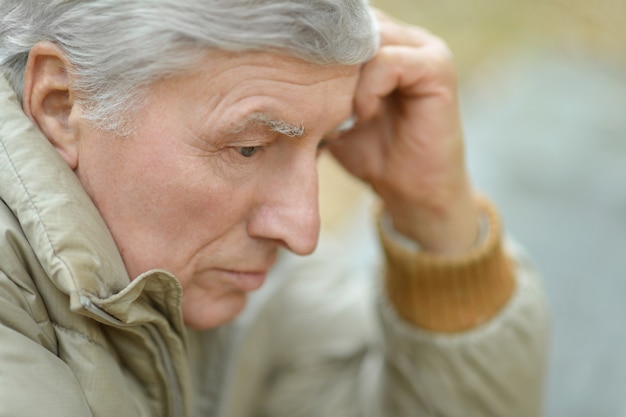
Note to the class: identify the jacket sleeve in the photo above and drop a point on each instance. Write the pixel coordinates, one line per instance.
(419, 353)
(473, 329)
(33, 380)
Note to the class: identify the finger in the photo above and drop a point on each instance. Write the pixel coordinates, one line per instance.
(379, 78)
(409, 71)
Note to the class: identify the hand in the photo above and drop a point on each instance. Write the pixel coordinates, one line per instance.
(408, 141)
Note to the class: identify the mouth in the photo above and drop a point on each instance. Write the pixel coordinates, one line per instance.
(245, 281)
(241, 274)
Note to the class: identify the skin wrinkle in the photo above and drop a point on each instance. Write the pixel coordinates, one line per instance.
(217, 242)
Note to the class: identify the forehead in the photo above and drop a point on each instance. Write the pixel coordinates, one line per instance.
(228, 90)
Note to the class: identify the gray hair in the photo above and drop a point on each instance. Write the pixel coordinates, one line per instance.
(116, 48)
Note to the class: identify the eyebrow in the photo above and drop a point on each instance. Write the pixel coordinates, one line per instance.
(286, 128)
(276, 125)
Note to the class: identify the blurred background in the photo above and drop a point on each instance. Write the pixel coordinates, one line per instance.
(543, 91)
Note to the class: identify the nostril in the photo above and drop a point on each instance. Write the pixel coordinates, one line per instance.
(295, 226)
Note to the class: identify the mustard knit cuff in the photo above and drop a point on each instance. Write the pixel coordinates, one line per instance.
(450, 294)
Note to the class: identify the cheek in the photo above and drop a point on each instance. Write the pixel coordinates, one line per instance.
(160, 215)
(186, 213)
(168, 224)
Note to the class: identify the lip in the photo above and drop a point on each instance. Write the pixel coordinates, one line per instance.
(245, 281)
(239, 275)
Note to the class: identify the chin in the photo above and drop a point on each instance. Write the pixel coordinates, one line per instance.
(209, 314)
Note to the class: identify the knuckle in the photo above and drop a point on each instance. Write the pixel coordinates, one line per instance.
(441, 56)
(440, 49)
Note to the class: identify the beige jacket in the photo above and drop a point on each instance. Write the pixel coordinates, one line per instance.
(78, 338)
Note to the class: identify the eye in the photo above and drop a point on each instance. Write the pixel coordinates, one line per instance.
(248, 151)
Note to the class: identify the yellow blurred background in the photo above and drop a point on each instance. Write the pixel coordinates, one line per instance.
(484, 33)
(478, 30)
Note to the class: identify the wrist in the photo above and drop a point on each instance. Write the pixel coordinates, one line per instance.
(447, 229)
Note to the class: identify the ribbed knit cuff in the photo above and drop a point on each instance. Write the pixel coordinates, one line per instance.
(450, 294)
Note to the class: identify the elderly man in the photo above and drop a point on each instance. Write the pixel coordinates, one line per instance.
(158, 163)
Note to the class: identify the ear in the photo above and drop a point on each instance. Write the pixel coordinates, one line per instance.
(48, 99)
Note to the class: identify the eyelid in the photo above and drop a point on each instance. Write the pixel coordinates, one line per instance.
(253, 141)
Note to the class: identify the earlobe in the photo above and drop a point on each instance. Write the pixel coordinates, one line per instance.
(49, 101)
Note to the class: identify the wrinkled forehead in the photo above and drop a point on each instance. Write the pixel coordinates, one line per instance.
(263, 91)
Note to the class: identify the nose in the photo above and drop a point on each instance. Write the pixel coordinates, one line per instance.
(288, 209)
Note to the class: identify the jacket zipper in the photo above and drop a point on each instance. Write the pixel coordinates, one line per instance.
(176, 403)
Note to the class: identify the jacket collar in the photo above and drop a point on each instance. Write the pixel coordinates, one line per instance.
(61, 223)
